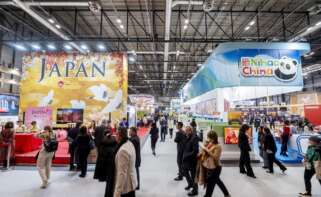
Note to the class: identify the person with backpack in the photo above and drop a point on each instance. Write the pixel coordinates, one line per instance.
(285, 136)
(46, 154)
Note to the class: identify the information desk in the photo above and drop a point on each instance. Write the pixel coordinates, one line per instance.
(26, 142)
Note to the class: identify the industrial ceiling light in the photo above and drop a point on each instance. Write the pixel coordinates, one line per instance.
(252, 23)
(35, 47)
(247, 28)
(131, 59)
(83, 46)
(177, 52)
(58, 26)
(118, 20)
(20, 47)
(141, 67)
(318, 23)
(185, 27)
(186, 21)
(121, 26)
(51, 46)
(309, 29)
(101, 47)
(67, 47)
(52, 21)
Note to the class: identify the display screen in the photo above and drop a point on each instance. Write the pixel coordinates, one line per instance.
(9, 105)
(69, 115)
(231, 135)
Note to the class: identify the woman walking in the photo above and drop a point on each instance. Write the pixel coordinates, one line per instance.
(263, 154)
(46, 154)
(270, 148)
(244, 145)
(311, 156)
(7, 136)
(210, 165)
(83, 149)
(154, 134)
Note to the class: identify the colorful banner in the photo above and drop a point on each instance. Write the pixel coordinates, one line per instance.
(96, 82)
(42, 115)
(249, 64)
(9, 105)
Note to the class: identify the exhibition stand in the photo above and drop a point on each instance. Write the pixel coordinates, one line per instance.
(26, 142)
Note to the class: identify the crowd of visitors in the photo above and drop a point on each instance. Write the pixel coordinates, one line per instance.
(119, 154)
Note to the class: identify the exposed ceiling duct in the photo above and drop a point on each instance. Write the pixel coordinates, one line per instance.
(169, 6)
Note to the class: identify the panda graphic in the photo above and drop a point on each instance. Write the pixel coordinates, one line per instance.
(287, 69)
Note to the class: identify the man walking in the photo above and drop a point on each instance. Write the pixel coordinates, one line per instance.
(125, 173)
(190, 160)
(180, 140)
(136, 141)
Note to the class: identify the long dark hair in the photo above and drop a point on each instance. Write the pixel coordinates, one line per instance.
(83, 131)
(267, 131)
(213, 136)
(244, 128)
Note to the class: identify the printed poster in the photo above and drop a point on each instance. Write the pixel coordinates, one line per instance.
(94, 82)
(42, 115)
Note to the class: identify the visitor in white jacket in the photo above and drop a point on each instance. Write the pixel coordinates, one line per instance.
(125, 173)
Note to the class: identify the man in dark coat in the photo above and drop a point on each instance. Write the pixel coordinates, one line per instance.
(72, 135)
(271, 149)
(190, 160)
(100, 132)
(180, 140)
(245, 148)
(105, 157)
(136, 141)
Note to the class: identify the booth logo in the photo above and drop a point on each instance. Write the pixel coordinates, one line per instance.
(284, 69)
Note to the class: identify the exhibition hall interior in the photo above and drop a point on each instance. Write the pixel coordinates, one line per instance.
(160, 98)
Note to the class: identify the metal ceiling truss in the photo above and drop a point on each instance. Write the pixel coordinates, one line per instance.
(144, 31)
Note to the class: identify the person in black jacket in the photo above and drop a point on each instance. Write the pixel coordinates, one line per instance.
(189, 160)
(154, 135)
(100, 132)
(180, 140)
(110, 144)
(82, 143)
(245, 161)
(136, 141)
(72, 135)
(105, 157)
(270, 148)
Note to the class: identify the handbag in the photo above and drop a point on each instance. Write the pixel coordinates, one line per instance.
(51, 145)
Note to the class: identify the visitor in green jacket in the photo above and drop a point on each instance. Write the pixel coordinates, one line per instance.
(312, 155)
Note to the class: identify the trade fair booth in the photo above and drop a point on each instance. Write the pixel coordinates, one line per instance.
(60, 89)
(237, 72)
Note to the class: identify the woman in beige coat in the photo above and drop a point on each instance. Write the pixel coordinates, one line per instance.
(44, 159)
(209, 168)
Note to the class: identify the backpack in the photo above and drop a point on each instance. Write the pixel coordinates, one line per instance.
(51, 145)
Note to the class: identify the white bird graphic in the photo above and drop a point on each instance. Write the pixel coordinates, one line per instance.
(114, 103)
(100, 92)
(47, 100)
